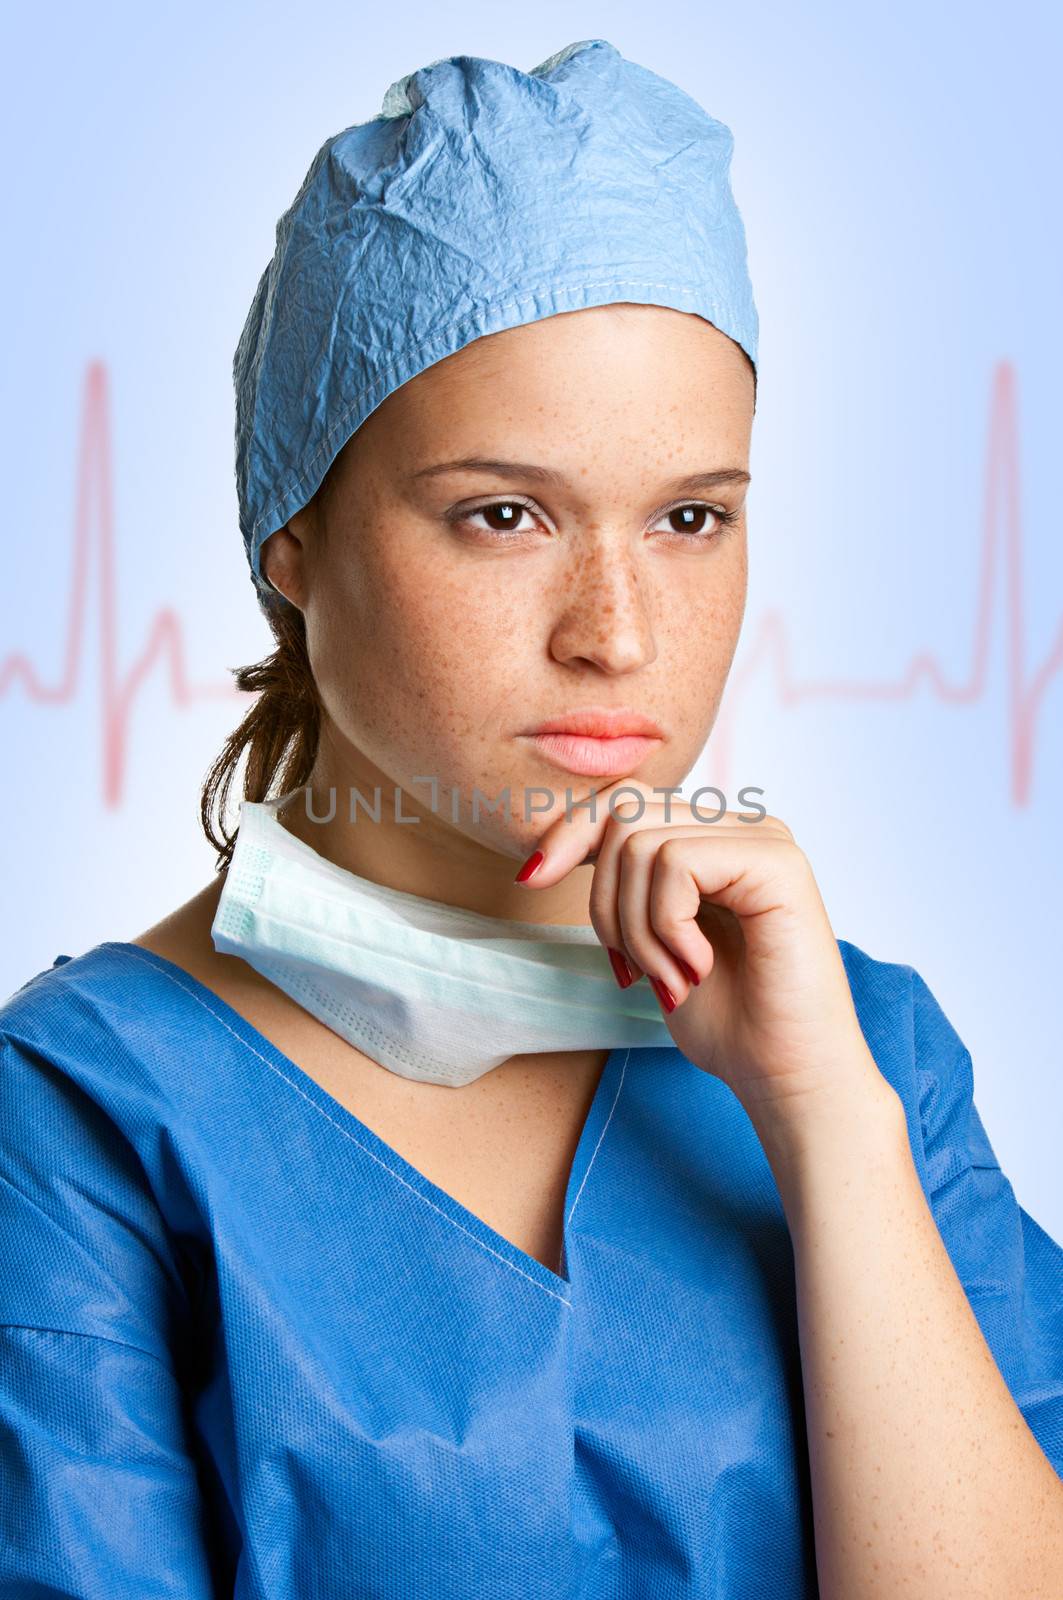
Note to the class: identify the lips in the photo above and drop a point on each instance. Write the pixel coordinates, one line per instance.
(596, 741)
(599, 722)
(594, 758)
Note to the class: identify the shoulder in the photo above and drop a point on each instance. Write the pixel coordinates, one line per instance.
(1011, 1269)
(103, 1092)
(898, 1013)
(91, 1195)
(921, 1054)
(107, 1020)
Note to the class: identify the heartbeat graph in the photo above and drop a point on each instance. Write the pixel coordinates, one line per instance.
(769, 650)
(164, 643)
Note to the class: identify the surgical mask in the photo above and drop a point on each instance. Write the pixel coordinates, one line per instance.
(430, 991)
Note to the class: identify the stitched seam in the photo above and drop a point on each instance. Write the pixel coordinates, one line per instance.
(100, 1338)
(601, 1136)
(454, 1223)
(386, 375)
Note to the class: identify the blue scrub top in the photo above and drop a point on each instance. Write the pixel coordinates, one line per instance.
(246, 1349)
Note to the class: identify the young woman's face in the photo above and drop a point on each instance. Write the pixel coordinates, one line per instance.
(452, 610)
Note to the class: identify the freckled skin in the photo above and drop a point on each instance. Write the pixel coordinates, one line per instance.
(435, 643)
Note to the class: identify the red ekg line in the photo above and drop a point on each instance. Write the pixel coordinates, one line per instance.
(769, 647)
(164, 641)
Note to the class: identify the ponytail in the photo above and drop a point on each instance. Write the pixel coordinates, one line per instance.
(280, 732)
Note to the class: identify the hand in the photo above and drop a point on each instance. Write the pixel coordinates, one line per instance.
(736, 904)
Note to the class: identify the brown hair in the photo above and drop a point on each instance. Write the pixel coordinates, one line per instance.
(280, 732)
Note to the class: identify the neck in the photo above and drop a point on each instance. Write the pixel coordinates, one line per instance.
(358, 821)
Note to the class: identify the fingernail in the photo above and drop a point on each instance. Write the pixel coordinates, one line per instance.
(688, 972)
(664, 995)
(533, 863)
(621, 971)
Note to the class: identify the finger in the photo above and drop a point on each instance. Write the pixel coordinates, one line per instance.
(747, 878)
(674, 900)
(658, 920)
(576, 837)
(678, 965)
(604, 901)
(603, 904)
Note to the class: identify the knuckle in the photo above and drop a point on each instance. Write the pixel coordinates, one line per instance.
(769, 826)
(672, 852)
(601, 914)
(624, 812)
(634, 845)
(666, 923)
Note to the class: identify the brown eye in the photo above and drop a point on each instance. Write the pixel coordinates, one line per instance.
(507, 512)
(499, 516)
(688, 519)
(694, 519)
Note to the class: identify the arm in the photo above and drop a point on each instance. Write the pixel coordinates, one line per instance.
(99, 1494)
(98, 1499)
(927, 1481)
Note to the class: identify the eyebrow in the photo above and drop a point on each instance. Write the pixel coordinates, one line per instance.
(526, 469)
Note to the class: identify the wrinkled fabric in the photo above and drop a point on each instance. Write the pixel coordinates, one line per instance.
(246, 1349)
(479, 198)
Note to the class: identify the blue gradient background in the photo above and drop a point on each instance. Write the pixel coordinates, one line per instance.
(898, 175)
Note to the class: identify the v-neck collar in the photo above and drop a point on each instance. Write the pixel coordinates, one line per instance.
(603, 1103)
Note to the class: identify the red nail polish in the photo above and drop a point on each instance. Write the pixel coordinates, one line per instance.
(533, 863)
(621, 971)
(688, 972)
(664, 994)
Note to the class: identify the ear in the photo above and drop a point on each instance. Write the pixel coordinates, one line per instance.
(283, 559)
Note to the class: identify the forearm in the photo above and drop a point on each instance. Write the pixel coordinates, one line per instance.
(927, 1482)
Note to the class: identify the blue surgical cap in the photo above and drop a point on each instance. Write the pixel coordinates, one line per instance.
(480, 197)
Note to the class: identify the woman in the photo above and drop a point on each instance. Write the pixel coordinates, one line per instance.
(708, 1286)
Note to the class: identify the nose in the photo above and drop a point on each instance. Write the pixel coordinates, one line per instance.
(603, 616)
